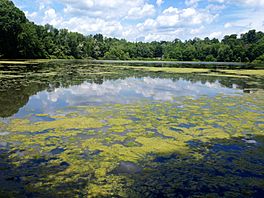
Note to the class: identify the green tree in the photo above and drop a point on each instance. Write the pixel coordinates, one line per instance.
(11, 25)
(259, 59)
(29, 45)
(210, 58)
(225, 53)
(19, 38)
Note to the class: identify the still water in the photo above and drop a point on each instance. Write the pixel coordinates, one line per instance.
(79, 129)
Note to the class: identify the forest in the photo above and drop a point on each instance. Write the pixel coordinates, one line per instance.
(21, 38)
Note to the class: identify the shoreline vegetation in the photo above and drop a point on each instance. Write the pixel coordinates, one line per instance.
(22, 39)
(37, 61)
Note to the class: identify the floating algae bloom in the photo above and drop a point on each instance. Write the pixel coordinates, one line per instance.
(211, 146)
(83, 130)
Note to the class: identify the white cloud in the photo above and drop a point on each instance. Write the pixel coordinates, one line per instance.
(253, 2)
(246, 20)
(141, 12)
(50, 13)
(31, 16)
(218, 1)
(91, 17)
(198, 30)
(215, 7)
(228, 25)
(192, 2)
(246, 3)
(172, 17)
(216, 35)
(106, 9)
(93, 25)
(159, 2)
(171, 23)
(139, 20)
(51, 17)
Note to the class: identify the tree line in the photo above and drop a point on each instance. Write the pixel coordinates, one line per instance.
(20, 38)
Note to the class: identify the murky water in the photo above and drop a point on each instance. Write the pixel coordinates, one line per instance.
(78, 129)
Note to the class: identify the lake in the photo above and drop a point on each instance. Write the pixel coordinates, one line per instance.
(117, 129)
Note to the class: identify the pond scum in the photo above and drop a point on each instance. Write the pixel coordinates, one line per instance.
(206, 147)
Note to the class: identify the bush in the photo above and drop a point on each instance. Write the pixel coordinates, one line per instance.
(260, 59)
(210, 58)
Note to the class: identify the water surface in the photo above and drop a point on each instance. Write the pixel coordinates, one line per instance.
(72, 128)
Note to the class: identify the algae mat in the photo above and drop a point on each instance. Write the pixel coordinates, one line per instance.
(206, 146)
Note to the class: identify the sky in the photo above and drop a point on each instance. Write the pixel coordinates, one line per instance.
(148, 20)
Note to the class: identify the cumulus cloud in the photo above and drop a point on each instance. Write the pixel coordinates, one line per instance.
(159, 2)
(94, 25)
(170, 24)
(141, 12)
(192, 2)
(51, 17)
(252, 2)
(144, 20)
(218, 1)
(189, 16)
(31, 16)
(215, 35)
(113, 18)
(228, 25)
(107, 9)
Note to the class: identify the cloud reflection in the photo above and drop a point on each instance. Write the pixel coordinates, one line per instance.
(123, 91)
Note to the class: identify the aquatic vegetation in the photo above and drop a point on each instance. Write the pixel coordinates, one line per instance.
(121, 121)
(259, 72)
(2, 125)
(10, 76)
(231, 75)
(24, 62)
(67, 123)
(167, 69)
(95, 151)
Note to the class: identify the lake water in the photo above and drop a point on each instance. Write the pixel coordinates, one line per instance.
(107, 129)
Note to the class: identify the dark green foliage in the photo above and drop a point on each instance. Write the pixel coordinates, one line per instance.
(11, 23)
(19, 38)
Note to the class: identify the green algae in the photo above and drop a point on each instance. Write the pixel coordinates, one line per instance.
(24, 62)
(161, 130)
(10, 76)
(2, 125)
(84, 72)
(231, 75)
(167, 69)
(120, 121)
(66, 123)
(244, 72)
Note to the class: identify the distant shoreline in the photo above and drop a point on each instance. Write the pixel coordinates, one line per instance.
(169, 62)
(24, 61)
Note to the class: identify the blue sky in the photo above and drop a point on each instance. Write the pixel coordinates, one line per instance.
(148, 20)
